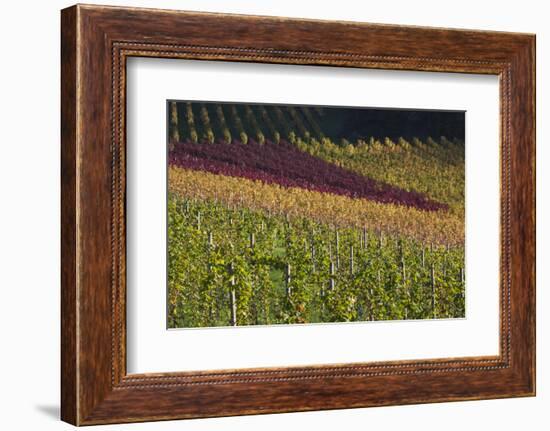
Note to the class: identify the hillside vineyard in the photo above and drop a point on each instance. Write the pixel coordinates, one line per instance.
(284, 214)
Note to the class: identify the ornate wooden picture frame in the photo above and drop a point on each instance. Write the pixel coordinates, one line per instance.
(96, 41)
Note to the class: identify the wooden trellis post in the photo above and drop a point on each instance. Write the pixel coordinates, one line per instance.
(288, 279)
(252, 240)
(337, 246)
(199, 220)
(371, 302)
(463, 290)
(331, 271)
(434, 313)
(351, 259)
(312, 256)
(232, 297)
(210, 245)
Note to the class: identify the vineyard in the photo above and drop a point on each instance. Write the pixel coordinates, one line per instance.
(276, 215)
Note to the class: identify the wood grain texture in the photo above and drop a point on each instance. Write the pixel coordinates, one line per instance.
(96, 41)
(69, 366)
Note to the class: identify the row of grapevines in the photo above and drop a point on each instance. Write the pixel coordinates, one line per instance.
(442, 227)
(231, 265)
(435, 168)
(298, 124)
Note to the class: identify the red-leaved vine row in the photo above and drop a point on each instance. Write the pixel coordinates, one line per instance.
(287, 166)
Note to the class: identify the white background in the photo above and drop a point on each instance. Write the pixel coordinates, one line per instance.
(151, 348)
(29, 227)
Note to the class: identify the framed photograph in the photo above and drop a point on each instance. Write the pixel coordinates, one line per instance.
(264, 215)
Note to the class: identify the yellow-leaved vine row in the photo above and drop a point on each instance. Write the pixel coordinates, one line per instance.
(441, 227)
